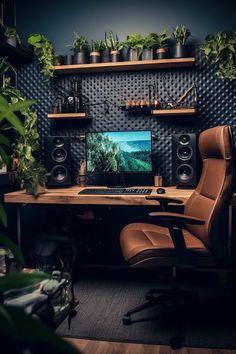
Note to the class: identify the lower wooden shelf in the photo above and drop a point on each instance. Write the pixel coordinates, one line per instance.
(67, 115)
(174, 112)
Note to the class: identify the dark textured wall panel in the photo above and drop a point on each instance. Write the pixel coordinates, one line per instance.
(216, 104)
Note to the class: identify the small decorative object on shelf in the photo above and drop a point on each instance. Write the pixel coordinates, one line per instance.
(80, 48)
(180, 35)
(69, 100)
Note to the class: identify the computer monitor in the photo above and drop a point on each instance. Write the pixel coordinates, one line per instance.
(119, 152)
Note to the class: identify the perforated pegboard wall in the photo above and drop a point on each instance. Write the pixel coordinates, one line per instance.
(216, 104)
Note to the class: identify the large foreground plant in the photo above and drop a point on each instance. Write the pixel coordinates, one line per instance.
(20, 333)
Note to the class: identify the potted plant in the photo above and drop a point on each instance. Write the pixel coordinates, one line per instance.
(80, 48)
(29, 172)
(134, 43)
(160, 44)
(105, 51)
(57, 59)
(43, 50)
(180, 35)
(11, 36)
(148, 45)
(95, 52)
(18, 331)
(219, 49)
(113, 45)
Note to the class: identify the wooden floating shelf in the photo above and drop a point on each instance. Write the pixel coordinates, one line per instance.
(67, 115)
(174, 112)
(124, 66)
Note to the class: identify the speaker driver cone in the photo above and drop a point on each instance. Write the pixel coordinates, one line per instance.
(184, 173)
(184, 139)
(59, 173)
(58, 141)
(59, 154)
(184, 153)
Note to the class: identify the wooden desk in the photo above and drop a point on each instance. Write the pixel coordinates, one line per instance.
(70, 196)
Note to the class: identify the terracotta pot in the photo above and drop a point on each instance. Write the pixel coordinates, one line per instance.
(94, 57)
(115, 55)
(161, 53)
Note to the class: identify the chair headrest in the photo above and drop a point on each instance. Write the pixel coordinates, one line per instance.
(216, 143)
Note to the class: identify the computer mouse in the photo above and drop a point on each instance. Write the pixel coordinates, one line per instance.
(161, 190)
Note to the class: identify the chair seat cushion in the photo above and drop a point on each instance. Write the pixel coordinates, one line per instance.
(147, 243)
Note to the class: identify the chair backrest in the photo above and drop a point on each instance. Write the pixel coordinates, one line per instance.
(215, 187)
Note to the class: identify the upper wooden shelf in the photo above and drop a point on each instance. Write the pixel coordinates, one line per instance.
(16, 55)
(125, 65)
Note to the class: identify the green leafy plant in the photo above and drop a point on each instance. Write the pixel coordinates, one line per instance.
(20, 332)
(29, 171)
(43, 50)
(148, 41)
(134, 41)
(180, 34)
(112, 41)
(79, 43)
(11, 32)
(159, 39)
(96, 46)
(220, 50)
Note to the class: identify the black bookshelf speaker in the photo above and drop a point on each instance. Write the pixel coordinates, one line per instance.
(58, 161)
(185, 168)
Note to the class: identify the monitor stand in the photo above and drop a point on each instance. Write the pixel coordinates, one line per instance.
(119, 181)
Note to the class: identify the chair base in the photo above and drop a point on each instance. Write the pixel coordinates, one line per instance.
(157, 297)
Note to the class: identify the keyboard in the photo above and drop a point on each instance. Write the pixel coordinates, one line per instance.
(117, 191)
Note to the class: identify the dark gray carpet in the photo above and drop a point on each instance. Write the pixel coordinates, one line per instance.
(209, 322)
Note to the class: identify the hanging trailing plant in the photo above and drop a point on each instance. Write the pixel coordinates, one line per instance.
(43, 50)
(220, 50)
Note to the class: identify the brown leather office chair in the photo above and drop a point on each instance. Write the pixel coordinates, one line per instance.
(192, 238)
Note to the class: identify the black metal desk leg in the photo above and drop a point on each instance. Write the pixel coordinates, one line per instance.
(19, 226)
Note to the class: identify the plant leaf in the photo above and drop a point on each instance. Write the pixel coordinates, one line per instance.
(34, 334)
(3, 215)
(13, 248)
(20, 280)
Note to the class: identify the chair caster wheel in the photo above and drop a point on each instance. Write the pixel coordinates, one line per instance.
(176, 342)
(126, 320)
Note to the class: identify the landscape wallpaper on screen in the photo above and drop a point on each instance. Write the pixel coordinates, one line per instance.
(119, 151)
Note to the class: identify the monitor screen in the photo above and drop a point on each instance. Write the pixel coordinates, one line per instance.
(120, 151)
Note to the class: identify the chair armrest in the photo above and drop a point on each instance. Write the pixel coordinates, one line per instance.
(165, 201)
(177, 219)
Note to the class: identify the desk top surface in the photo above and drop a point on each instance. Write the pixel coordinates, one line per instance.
(70, 196)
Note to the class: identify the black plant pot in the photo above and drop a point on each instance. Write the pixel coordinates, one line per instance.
(124, 52)
(94, 57)
(115, 55)
(105, 56)
(161, 53)
(58, 60)
(179, 51)
(68, 59)
(81, 58)
(147, 54)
